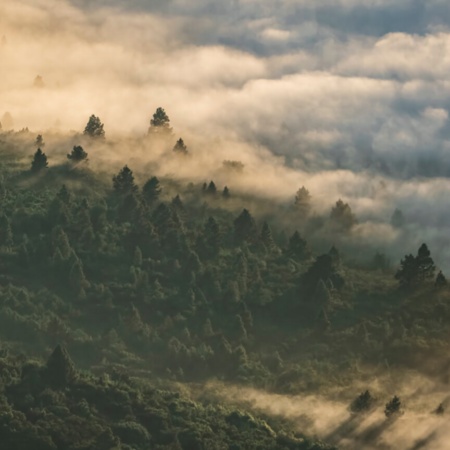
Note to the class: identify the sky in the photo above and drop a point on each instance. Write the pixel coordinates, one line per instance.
(349, 97)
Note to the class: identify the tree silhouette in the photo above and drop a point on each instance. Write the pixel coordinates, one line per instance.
(39, 161)
(342, 216)
(77, 155)
(94, 128)
(211, 189)
(60, 370)
(151, 190)
(298, 247)
(302, 200)
(39, 142)
(415, 270)
(123, 182)
(440, 281)
(364, 402)
(425, 264)
(160, 123)
(244, 227)
(180, 147)
(393, 407)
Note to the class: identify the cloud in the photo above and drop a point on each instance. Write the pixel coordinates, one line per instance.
(349, 98)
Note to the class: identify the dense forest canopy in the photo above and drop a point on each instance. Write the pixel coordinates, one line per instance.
(115, 282)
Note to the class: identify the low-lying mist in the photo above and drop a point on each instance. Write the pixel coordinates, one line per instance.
(328, 415)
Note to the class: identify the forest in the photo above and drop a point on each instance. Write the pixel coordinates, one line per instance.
(130, 299)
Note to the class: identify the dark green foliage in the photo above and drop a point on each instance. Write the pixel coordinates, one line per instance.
(440, 281)
(151, 190)
(302, 201)
(60, 370)
(363, 403)
(39, 161)
(180, 147)
(298, 247)
(393, 407)
(407, 275)
(226, 193)
(325, 267)
(342, 217)
(244, 227)
(211, 189)
(267, 238)
(94, 128)
(416, 270)
(425, 264)
(39, 142)
(77, 155)
(123, 182)
(160, 123)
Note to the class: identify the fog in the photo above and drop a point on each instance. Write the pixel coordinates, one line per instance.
(328, 417)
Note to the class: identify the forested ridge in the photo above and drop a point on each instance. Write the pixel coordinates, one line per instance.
(110, 282)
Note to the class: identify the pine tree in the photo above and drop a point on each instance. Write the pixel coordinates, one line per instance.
(342, 217)
(39, 142)
(393, 407)
(298, 247)
(425, 264)
(440, 281)
(226, 193)
(364, 402)
(39, 161)
(77, 155)
(211, 189)
(180, 147)
(94, 128)
(60, 370)
(160, 123)
(267, 238)
(244, 227)
(151, 190)
(302, 201)
(123, 182)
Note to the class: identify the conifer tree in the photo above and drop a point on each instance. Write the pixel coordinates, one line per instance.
(60, 370)
(160, 123)
(39, 161)
(298, 247)
(342, 217)
(244, 227)
(302, 201)
(123, 182)
(440, 281)
(94, 128)
(77, 155)
(393, 407)
(226, 193)
(39, 142)
(211, 189)
(151, 190)
(425, 264)
(180, 147)
(267, 238)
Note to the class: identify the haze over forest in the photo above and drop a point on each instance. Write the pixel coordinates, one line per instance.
(349, 99)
